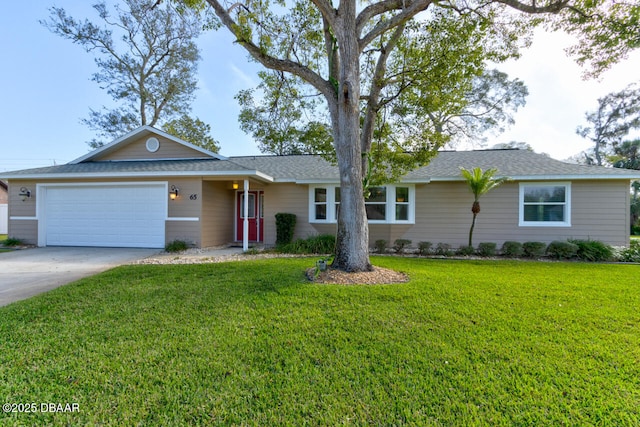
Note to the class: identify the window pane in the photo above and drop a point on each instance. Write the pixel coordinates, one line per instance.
(402, 212)
(378, 194)
(337, 194)
(252, 206)
(320, 195)
(376, 212)
(261, 205)
(321, 211)
(544, 213)
(402, 194)
(544, 194)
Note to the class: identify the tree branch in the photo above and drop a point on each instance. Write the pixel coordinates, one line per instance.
(269, 61)
(375, 9)
(409, 10)
(533, 8)
(377, 83)
(327, 10)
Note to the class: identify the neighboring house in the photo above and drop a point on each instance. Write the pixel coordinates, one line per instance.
(149, 188)
(4, 208)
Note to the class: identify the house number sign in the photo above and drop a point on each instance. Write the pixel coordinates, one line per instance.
(193, 197)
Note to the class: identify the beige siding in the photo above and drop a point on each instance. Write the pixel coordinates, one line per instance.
(25, 230)
(16, 206)
(599, 211)
(388, 232)
(288, 198)
(188, 204)
(137, 150)
(184, 221)
(188, 231)
(218, 212)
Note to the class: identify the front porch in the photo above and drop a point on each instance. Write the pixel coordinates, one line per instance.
(232, 211)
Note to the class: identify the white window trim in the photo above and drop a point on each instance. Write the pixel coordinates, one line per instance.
(390, 204)
(567, 216)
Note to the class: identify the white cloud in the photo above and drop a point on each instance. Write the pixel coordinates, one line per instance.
(558, 95)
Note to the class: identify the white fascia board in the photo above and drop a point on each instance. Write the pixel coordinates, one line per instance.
(337, 181)
(135, 133)
(575, 177)
(313, 181)
(548, 178)
(414, 181)
(256, 174)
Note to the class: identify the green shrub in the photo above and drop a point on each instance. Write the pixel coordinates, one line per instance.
(465, 250)
(380, 246)
(12, 241)
(487, 249)
(593, 250)
(285, 227)
(632, 253)
(443, 249)
(534, 249)
(400, 244)
(562, 250)
(512, 249)
(177, 246)
(319, 244)
(424, 248)
(322, 244)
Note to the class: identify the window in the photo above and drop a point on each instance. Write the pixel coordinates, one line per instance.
(402, 203)
(376, 204)
(389, 204)
(320, 201)
(545, 204)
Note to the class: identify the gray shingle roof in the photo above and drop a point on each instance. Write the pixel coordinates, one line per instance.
(520, 164)
(517, 164)
(291, 168)
(187, 167)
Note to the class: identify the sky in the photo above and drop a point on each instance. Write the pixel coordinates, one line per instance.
(46, 89)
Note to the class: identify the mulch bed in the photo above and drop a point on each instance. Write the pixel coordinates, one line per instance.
(379, 276)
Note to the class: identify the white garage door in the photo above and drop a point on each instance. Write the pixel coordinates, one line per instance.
(114, 215)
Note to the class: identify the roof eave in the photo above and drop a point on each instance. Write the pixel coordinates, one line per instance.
(171, 174)
(557, 177)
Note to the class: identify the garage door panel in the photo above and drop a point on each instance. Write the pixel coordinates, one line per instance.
(106, 215)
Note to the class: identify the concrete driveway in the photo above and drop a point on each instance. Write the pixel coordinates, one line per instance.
(28, 272)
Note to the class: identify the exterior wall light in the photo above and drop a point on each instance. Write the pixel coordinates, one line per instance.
(235, 185)
(173, 194)
(24, 193)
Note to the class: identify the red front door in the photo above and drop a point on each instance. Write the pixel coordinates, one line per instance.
(255, 216)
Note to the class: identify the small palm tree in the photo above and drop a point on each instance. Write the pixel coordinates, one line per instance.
(479, 183)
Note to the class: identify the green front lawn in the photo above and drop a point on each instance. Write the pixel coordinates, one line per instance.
(253, 343)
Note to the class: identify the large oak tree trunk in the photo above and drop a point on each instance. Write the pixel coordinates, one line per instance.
(352, 245)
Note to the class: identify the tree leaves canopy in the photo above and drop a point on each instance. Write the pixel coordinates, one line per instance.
(617, 114)
(147, 61)
(192, 130)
